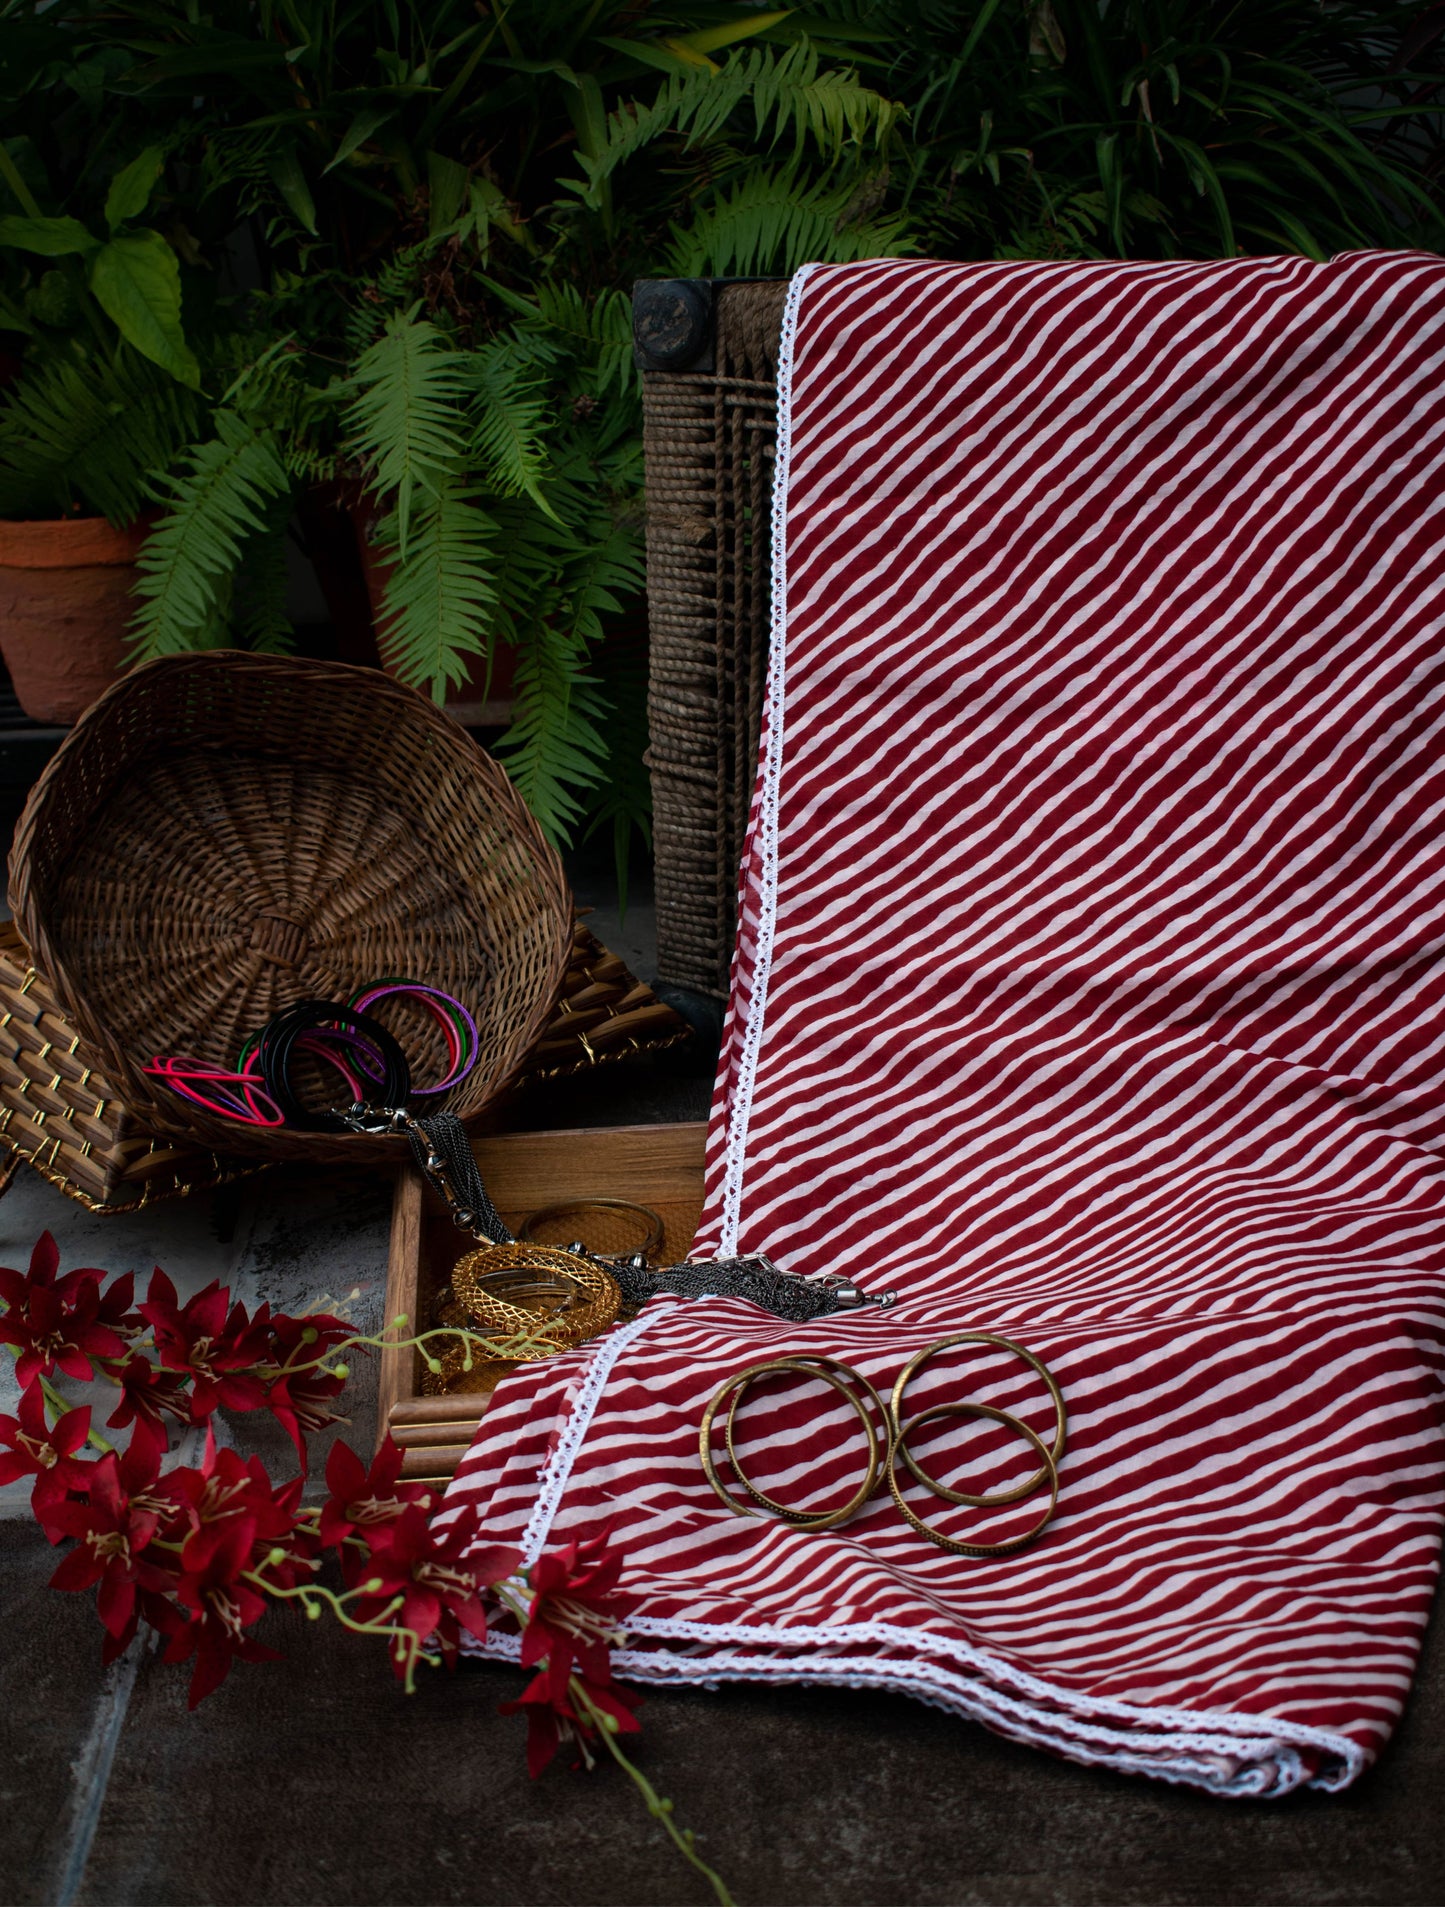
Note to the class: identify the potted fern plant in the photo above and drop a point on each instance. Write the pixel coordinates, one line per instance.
(108, 391)
(452, 224)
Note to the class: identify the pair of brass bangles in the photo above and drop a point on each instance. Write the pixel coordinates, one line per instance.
(888, 1450)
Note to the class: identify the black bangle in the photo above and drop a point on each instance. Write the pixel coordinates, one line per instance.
(276, 1044)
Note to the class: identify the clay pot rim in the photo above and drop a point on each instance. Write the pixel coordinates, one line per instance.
(67, 542)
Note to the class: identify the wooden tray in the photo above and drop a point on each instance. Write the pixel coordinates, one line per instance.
(657, 1166)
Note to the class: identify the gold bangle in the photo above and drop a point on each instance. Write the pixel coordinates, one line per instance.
(823, 1367)
(489, 1281)
(1050, 1470)
(649, 1226)
(999, 1497)
(799, 1519)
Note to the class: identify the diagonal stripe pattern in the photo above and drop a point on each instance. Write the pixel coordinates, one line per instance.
(1088, 990)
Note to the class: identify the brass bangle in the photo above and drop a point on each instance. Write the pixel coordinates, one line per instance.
(567, 1325)
(999, 1497)
(1050, 1470)
(833, 1371)
(798, 1519)
(649, 1224)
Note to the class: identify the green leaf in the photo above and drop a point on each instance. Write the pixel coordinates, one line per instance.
(649, 52)
(555, 746)
(366, 122)
(446, 191)
(13, 319)
(786, 92)
(51, 238)
(712, 39)
(978, 29)
(259, 603)
(290, 181)
(131, 188)
(138, 281)
(772, 220)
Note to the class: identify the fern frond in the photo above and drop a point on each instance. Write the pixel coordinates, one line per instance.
(787, 95)
(606, 571)
(623, 803)
(259, 620)
(555, 747)
(532, 551)
(439, 608)
(511, 415)
(224, 495)
(93, 434)
(772, 221)
(600, 330)
(397, 283)
(407, 424)
(272, 391)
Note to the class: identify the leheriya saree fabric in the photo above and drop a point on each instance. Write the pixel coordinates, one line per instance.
(1088, 990)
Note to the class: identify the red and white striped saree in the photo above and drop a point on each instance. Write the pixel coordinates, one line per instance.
(1088, 990)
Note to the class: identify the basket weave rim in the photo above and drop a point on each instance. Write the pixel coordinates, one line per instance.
(31, 888)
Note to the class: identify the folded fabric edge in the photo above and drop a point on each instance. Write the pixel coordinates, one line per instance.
(1239, 1757)
(762, 844)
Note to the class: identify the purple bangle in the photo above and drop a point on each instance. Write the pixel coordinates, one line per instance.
(448, 1003)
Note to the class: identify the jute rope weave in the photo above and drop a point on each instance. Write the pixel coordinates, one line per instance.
(708, 440)
(225, 833)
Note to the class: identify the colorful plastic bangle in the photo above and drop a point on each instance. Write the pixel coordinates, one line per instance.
(456, 1023)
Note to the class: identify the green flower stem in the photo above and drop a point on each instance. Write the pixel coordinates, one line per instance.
(486, 1349)
(606, 1726)
(661, 1810)
(312, 1595)
(61, 1404)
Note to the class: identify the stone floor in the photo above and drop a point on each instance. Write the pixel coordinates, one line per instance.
(316, 1781)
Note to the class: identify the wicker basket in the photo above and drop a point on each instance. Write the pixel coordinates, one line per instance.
(60, 1113)
(709, 440)
(223, 834)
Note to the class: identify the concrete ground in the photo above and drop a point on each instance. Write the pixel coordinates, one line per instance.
(316, 1781)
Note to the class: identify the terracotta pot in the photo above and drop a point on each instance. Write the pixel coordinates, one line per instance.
(64, 605)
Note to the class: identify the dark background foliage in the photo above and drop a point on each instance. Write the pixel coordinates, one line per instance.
(405, 232)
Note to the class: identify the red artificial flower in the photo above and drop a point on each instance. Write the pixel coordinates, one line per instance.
(228, 1493)
(303, 1340)
(35, 1449)
(222, 1607)
(300, 1395)
(435, 1586)
(146, 1391)
(217, 1347)
(61, 1323)
(362, 1498)
(553, 1716)
(113, 1528)
(44, 1264)
(572, 1618)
